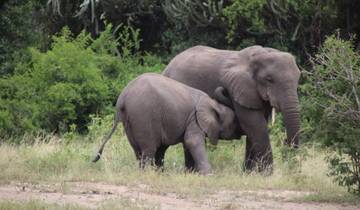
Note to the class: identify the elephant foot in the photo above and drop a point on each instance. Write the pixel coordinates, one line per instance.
(265, 165)
(268, 171)
(206, 172)
(190, 170)
(264, 169)
(249, 166)
(160, 169)
(201, 172)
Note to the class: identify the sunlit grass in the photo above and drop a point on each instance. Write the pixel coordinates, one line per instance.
(58, 160)
(65, 159)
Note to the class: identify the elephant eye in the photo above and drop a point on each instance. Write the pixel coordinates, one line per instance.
(269, 79)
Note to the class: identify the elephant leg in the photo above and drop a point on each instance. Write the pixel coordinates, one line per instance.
(195, 144)
(147, 157)
(133, 143)
(249, 156)
(196, 148)
(136, 149)
(258, 148)
(189, 160)
(159, 156)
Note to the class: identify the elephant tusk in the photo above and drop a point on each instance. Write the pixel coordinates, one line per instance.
(273, 116)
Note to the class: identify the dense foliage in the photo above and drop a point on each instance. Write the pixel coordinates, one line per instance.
(17, 24)
(334, 86)
(76, 77)
(169, 26)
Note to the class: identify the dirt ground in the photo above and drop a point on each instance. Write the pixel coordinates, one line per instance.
(93, 195)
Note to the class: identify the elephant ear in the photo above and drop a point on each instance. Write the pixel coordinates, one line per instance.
(240, 78)
(243, 88)
(207, 116)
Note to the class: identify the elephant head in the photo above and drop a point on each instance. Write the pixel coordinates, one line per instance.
(215, 119)
(266, 76)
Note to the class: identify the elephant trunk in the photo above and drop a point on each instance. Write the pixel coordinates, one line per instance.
(221, 95)
(291, 114)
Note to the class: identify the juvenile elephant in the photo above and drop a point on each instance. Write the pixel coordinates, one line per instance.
(255, 79)
(157, 111)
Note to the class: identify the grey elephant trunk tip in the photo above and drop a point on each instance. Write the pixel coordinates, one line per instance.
(96, 158)
(221, 95)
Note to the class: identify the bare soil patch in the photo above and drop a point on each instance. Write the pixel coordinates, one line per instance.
(93, 195)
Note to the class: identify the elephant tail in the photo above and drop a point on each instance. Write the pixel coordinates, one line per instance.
(117, 119)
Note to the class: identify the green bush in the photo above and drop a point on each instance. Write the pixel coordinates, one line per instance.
(334, 108)
(246, 12)
(19, 28)
(77, 77)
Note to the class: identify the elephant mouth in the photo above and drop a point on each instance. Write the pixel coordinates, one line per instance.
(277, 108)
(274, 106)
(223, 134)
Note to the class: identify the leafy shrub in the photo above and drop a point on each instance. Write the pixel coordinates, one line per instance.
(67, 83)
(247, 12)
(335, 88)
(19, 28)
(77, 77)
(194, 14)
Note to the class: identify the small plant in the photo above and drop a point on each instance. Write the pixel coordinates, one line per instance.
(292, 159)
(99, 127)
(346, 169)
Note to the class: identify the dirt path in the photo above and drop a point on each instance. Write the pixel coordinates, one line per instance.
(93, 195)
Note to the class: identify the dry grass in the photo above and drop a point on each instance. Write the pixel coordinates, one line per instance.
(60, 161)
(67, 159)
(39, 205)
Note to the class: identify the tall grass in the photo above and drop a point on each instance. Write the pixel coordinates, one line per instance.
(58, 159)
(49, 158)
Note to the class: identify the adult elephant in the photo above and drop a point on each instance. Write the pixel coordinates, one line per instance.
(256, 79)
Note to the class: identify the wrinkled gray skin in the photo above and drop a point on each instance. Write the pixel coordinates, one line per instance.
(157, 112)
(255, 79)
